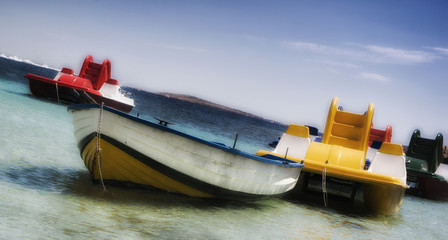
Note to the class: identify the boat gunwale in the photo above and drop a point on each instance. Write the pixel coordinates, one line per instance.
(287, 163)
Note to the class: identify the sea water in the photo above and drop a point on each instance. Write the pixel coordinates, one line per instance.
(47, 193)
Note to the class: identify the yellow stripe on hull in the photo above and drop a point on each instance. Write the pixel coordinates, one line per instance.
(119, 166)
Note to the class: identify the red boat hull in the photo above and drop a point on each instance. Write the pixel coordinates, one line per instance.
(433, 188)
(52, 89)
(427, 185)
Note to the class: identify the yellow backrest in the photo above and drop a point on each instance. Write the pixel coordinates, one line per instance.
(298, 130)
(347, 129)
(391, 148)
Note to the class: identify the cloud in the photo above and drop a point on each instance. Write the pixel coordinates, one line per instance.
(254, 38)
(395, 55)
(333, 71)
(177, 47)
(321, 49)
(339, 64)
(443, 51)
(373, 76)
(366, 53)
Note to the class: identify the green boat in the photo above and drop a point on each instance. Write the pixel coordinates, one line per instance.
(427, 170)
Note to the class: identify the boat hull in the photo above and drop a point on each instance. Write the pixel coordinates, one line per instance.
(382, 194)
(427, 185)
(378, 197)
(433, 188)
(122, 164)
(52, 89)
(383, 198)
(144, 153)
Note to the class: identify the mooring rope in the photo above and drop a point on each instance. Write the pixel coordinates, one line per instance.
(324, 185)
(57, 91)
(99, 152)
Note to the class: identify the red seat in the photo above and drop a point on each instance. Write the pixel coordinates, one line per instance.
(98, 74)
(380, 135)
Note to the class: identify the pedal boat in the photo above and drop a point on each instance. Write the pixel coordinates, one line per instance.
(93, 85)
(150, 154)
(427, 170)
(340, 158)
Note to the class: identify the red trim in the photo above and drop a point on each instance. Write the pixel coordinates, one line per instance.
(67, 71)
(112, 81)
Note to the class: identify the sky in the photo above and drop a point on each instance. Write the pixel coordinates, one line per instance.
(279, 59)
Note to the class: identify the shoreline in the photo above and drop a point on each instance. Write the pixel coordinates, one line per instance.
(193, 99)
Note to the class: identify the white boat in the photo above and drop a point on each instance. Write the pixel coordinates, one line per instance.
(116, 146)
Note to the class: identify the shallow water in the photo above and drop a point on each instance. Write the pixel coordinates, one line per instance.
(46, 193)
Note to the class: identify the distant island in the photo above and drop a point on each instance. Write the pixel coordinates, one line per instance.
(197, 100)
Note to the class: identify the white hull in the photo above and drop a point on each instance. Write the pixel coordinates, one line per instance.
(213, 164)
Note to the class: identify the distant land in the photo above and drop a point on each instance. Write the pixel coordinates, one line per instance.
(189, 98)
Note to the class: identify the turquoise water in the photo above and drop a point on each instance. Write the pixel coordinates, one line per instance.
(46, 193)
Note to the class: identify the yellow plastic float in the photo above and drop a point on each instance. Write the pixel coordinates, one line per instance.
(341, 156)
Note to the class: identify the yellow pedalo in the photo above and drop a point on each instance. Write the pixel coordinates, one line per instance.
(342, 156)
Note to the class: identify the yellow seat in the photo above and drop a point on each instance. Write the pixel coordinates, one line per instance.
(294, 142)
(389, 160)
(336, 155)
